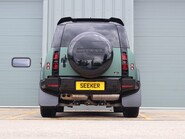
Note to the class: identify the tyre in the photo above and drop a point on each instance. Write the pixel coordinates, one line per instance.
(118, 109)
(48, 111)
(90, 54)
(131, 112)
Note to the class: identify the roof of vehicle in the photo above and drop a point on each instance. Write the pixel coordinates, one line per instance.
(112, 19)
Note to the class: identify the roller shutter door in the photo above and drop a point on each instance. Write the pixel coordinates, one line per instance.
(20, 41)
(160, 51)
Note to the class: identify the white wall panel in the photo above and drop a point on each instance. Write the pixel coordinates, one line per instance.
(20, 36)
(90, 8)
(98, 12)
(160, 51)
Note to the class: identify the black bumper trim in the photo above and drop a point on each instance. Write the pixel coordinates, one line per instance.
(50, 85)
(66, 85)
(112, 85)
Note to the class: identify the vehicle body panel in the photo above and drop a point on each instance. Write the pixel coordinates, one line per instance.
(119, 82)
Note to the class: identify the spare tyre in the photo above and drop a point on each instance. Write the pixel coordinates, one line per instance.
(90, 54)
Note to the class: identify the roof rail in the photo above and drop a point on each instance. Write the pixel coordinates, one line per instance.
(68, 19)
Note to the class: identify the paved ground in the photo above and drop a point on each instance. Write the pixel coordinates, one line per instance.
(19, 123)
(145, 115)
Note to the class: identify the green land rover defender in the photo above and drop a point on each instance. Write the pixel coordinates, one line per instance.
(90, 63)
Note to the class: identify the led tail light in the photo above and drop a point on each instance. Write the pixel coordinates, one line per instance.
(124, 64)
(48, 66)
(56, 56)
(55, 67)
(132, 66)
(53, 85)
(124, 56)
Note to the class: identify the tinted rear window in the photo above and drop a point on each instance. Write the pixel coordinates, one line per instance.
(106, 29)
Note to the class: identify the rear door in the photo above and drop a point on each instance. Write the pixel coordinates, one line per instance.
(73, 29)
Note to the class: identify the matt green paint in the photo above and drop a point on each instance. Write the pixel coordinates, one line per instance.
(131, 60)
(20, 36)
(65, 71)
(115, 67)
(49, 59)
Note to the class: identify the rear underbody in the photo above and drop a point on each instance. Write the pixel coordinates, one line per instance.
(110, 95)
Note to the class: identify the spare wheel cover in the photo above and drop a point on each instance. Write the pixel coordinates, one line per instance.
(90, 54)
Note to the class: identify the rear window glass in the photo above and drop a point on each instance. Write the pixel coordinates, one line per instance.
(57, 36)
(123, 37)
(106, 29)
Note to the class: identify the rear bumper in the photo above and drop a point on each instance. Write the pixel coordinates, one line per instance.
(63, 85)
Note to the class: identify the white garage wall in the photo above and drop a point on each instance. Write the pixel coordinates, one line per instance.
(56, 9)
(160, 51)
(20, 36)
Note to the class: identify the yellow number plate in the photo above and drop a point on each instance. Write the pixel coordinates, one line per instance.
(90, 85)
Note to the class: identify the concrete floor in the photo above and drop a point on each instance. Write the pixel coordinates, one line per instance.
(144, 115)
(19, 123)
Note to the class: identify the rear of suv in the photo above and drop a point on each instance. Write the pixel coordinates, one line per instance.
(90, 63)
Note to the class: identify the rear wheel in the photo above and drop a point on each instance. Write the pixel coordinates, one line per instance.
(48, 111)
(131, 112)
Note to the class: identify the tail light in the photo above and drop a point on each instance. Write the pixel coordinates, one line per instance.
(132, 66)
(124, 65)
(48, 66)
(56, 56)
(55, 67)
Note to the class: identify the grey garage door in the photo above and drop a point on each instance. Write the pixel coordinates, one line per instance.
(160, 51)
(20, 43)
